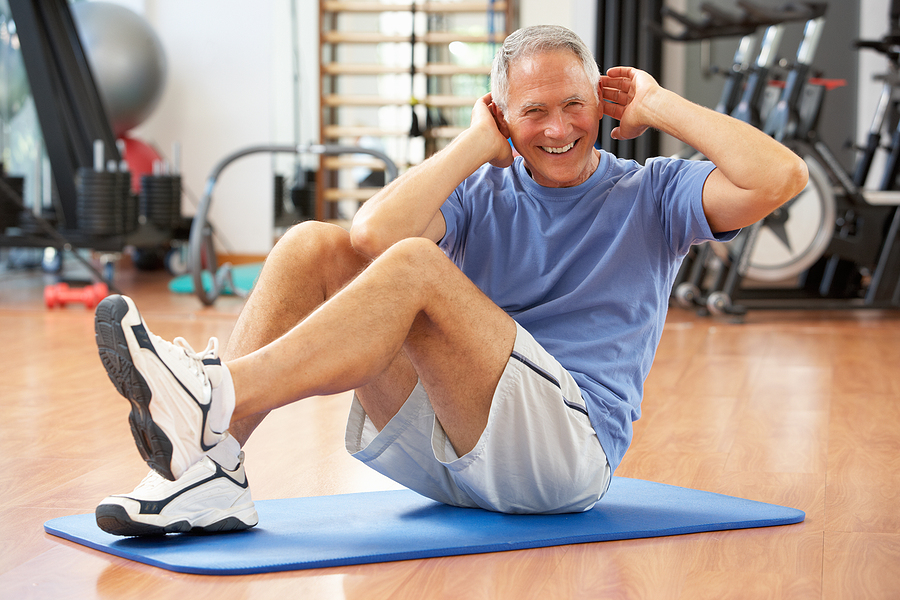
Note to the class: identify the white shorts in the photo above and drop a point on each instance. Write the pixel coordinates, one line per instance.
(538, 453)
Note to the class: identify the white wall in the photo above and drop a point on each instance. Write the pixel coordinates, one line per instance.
(578, 15)
(230, 86)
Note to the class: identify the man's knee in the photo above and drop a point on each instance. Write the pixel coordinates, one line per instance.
(422, 256)
(420, 267)
(313, 237)
(322, 247)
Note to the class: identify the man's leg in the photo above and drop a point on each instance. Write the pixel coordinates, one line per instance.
(410, 300)
(311, 263)
(308, 266)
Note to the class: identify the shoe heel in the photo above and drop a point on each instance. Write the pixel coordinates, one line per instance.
(152, 444)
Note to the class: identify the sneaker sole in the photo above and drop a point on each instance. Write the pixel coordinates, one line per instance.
(114, 519)
(152, 443)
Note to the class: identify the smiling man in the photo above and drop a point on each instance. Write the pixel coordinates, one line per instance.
(496, 312)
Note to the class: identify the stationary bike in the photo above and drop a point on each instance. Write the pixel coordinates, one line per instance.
(756, 101)
(836, 239)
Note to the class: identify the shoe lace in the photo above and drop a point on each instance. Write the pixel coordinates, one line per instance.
(152, 480)
(193, 359)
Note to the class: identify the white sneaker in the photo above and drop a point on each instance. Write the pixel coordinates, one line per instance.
(207, 498)
(173, 417)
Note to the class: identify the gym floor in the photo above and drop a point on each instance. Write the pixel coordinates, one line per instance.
(798, 408)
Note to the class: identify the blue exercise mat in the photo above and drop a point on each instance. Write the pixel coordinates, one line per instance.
(327, 531)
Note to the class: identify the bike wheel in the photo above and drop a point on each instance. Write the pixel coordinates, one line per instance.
(794, 236)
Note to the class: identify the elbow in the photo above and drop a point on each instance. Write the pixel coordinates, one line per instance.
(797, 177)
(366, 240)
(789, 181)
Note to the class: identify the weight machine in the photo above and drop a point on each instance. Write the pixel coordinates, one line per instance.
(93, 205)
(203, 265)
(95, 208)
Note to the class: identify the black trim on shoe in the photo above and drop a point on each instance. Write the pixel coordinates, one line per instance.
(152, 443)
(144, 341)
(114, 518)
(154, 507)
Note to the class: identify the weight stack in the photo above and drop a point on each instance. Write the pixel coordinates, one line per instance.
(103, 202)
(160, 200)
(9, 208)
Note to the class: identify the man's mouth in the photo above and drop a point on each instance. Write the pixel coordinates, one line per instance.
(560, 150)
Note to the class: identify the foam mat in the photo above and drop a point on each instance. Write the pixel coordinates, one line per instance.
(326, 531)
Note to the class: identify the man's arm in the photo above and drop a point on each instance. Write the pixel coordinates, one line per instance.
(754, 174)
(410, 205)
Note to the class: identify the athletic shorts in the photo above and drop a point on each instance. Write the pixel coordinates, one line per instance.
(538, 453)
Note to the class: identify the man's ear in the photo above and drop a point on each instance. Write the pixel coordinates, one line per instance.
(501, 120)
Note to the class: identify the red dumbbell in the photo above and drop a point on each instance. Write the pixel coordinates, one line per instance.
(61, 294)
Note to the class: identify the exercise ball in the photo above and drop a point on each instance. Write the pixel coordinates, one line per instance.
(126, 58)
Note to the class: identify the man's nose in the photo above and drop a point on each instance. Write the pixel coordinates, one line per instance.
(557, 125)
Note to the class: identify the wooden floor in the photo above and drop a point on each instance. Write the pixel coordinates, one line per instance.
(797, 408)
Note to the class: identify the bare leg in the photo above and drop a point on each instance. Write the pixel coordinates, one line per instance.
(410, 300)
(310, 264)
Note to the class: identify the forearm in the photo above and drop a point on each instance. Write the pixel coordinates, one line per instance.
(745, 156)
(754, 173)
(407, 206)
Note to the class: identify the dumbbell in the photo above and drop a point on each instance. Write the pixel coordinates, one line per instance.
(61, 294)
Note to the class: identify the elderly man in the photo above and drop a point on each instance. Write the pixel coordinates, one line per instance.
(496, 314)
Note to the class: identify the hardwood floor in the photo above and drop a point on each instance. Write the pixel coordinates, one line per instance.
(795, 408)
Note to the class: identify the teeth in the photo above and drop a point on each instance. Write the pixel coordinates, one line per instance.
(558, 150)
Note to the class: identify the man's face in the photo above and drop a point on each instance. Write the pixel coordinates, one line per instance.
(553, 118)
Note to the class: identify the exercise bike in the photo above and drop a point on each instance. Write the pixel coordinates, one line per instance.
(836, 239)
(758, 103)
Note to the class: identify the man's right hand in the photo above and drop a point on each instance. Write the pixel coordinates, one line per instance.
(410, 205)
(487, 120)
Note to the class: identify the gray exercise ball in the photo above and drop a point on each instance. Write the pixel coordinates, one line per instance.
(126, 58)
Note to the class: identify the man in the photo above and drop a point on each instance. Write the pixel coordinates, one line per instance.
(496, 315)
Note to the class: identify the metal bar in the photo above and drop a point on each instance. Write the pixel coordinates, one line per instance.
(200, 241)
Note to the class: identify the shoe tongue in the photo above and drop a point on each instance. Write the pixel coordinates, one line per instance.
(222, 396)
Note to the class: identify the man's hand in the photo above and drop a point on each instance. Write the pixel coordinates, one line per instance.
(746, 185)
(487, 119)
(410, 205)
(627, 94)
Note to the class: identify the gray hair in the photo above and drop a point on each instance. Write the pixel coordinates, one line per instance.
(530, 41)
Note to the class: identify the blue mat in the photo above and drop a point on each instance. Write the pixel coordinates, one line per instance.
(327, 531)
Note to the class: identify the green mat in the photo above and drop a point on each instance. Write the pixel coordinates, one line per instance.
(244, 277)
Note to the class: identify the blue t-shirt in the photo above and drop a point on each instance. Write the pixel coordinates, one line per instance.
(587, 270)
